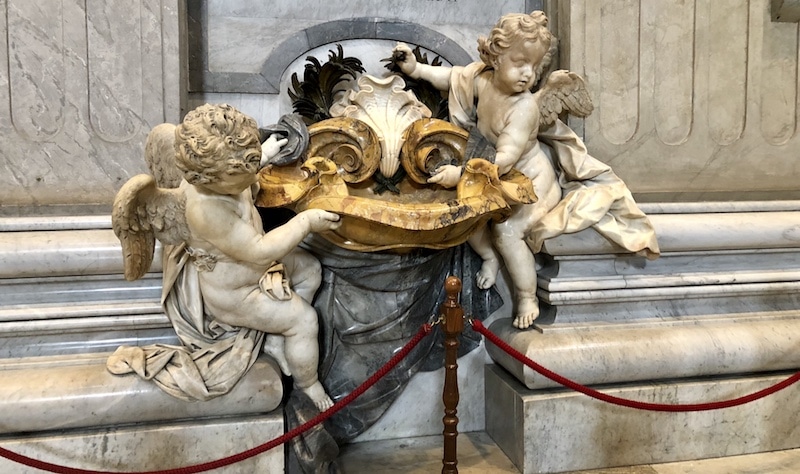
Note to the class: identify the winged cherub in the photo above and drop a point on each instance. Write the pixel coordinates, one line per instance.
(244, 274)
(510, 117)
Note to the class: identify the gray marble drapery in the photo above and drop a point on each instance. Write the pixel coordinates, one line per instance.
(370, 305)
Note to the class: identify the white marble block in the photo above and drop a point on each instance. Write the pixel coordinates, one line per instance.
(558, 430)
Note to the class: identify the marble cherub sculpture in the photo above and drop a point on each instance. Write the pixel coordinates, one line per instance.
(246, 277)
(494, 97)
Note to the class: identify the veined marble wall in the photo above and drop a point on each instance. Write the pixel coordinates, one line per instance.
(243, 51)
(81, 84)
(695, 99)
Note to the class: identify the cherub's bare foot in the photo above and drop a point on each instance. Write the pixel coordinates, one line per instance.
(274, 347)
(527, 311)
(317, 394)
(487, 275)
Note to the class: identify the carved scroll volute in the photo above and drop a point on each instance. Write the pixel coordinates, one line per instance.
(430, 143)
(349, 143)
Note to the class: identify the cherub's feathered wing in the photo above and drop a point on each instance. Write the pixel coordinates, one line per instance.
(159, 153)
(147, 207)
(144, 212)
(564, 91)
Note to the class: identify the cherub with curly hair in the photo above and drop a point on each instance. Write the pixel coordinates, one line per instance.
(513, 57)
(495, 97)
(246, 271)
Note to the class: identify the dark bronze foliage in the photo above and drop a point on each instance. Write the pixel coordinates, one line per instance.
(433, 98)
(313, 97)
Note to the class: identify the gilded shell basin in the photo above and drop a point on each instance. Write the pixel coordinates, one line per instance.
(340, 176)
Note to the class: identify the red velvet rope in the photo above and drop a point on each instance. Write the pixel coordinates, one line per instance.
(400, 355)
(480, 328)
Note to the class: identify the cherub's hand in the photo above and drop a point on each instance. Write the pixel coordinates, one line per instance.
(320, 220)
(405, 58)
(271, 147)
(446, 176)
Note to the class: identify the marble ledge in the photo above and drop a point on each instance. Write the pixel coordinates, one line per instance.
(671, 269)
(601, 353)
(45, 223)
(77, 290)
(677, 310)
(34, 312)
(619, 282)
(156, 446)
(708, 207)
(58, 253)
(42, 397)
(696, 232)
(98, 324)
(664, 293)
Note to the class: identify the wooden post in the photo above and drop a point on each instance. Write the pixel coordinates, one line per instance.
(453, 327)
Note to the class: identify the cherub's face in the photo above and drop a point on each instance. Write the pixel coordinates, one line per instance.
(515, 68)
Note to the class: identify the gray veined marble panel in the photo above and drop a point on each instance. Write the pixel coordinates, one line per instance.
(466, 12)
(36, 69)
(116, 86)
(727, 69)
(778, 92)
(81, 84)
(674, 85)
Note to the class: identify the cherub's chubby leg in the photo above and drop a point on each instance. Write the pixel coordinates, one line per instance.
(305, 275)
(302, 355)
(522, 270)
(509, 239)
(296, 321)
(481, 243)
(304, 272)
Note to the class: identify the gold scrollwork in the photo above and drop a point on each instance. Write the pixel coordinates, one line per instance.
(349, 143)
(430, 143)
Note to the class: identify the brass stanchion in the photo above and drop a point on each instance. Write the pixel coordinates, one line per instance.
(453, 327)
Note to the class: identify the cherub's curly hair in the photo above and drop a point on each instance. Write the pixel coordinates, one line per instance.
(514, 26)
(216, 139)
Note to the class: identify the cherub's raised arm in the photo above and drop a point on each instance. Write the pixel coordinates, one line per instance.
(438, 76)
(217, 222)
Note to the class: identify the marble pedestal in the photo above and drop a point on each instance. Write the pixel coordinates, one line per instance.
(558, 430)
(717, 316)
